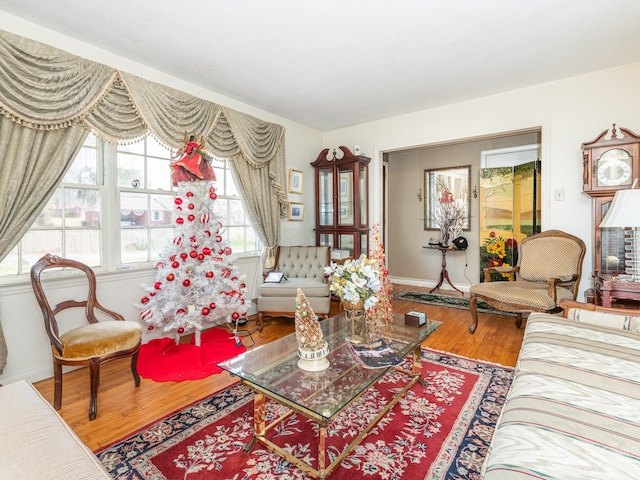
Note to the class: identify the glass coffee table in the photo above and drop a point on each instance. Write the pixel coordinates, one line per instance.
(272, 372)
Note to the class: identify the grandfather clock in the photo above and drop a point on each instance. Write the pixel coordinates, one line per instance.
(609, 164)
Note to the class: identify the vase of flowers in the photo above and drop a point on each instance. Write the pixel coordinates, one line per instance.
(356, 284)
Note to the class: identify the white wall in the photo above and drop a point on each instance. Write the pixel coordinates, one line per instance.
(29, 351)
(569, 112)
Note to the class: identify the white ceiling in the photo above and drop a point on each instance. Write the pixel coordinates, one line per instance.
(335, 63)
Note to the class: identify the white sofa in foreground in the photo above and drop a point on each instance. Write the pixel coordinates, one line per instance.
(573, 410)
(37, 444)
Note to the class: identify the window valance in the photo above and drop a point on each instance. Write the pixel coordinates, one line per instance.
(47, 88)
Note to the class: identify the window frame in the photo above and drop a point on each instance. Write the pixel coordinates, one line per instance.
(110, 228)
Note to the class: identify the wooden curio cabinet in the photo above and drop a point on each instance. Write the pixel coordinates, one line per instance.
(609, 165)
(342, 201)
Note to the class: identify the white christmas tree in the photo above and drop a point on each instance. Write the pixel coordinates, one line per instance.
(197, 286)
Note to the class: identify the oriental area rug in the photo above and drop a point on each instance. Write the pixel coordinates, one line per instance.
(438, 431)
(452, 301)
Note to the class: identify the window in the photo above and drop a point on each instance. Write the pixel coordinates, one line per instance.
(236, 226)
(134, 182)
(145, 199)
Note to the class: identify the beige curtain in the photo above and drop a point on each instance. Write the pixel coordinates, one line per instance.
(50, 98)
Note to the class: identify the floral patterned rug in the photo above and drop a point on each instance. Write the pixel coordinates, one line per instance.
(438, 431)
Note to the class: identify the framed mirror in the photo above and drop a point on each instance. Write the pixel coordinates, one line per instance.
(447, 195)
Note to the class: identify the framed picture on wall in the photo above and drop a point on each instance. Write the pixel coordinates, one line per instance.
(296, 212)
(295, 181)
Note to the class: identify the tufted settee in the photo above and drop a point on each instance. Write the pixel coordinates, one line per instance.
(303, 267)
(573, 409)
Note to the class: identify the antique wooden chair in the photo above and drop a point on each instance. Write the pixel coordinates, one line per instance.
(549, 269)
(92, 344)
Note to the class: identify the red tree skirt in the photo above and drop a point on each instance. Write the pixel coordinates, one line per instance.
(164, 361)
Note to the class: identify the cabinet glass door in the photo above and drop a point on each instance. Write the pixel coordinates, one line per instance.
(364, 219)
(345, 196)
(347, 242)
(325, 196)
(326, 240)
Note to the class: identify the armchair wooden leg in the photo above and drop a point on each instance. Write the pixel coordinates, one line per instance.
(518, 320)
(260, 321)
(94, 372)
(473, 308)
(57, 385)
(134, 368)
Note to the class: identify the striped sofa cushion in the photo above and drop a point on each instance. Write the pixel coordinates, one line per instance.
(572, 411)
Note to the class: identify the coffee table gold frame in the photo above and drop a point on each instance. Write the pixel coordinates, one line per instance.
(323, 470)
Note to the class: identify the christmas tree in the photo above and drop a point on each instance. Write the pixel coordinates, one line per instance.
(197, 286)
(382, 310)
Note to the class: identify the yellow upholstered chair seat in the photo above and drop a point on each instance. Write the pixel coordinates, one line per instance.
(99, 339)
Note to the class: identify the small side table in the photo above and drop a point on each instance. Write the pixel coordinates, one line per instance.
(444, 275)
(608, 289)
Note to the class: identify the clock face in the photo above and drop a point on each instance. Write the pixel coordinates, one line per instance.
(614, 168)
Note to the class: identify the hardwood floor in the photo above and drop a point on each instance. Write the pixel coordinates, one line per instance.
(123, 409)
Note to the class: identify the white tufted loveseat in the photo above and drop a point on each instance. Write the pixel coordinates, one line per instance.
(303, 267)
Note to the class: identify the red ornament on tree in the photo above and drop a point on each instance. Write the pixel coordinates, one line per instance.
(235, 315)
(144, 300)
(191, 217)
(193, 254)
(181, 330)
(171, 277)
(213, 196)
(150, 327)
(181, 311)
(191, 206)
(209, 274)
(212, 306)
(186, 282)
(206, 251)
(205, 311)
(189, 194)
(179, 220)
(183, 256)
(227, 250)
(175, 264)
(200, 257)
(157, 285)
(177, 201)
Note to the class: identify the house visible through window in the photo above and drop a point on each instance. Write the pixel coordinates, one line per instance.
(114, 207)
